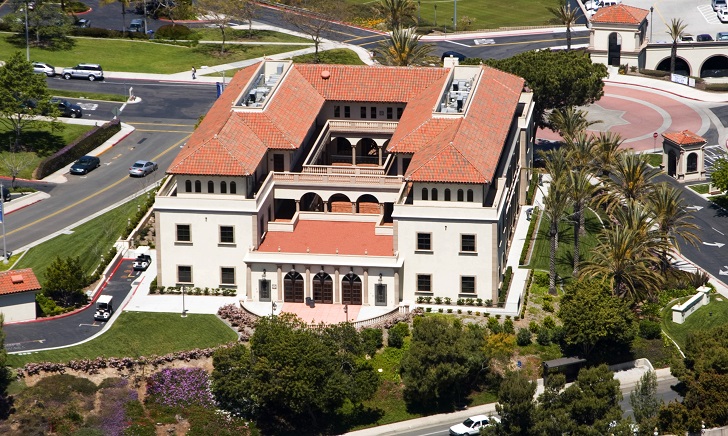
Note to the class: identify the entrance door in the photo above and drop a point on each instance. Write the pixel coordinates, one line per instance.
(351, 289)
(323, 288)
(293, 288)
(615, 49)
(672, 164)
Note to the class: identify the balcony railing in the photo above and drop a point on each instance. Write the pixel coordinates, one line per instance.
(358, 179)
(387, 127)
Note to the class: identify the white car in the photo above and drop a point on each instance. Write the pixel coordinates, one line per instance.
(472, 425)
(722, 14)
(43, 68)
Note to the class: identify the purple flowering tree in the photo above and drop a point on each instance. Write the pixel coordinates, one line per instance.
(180, 387)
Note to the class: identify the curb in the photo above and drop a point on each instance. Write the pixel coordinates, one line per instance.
(615, 82)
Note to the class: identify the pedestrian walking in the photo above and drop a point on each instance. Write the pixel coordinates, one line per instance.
(194, 73)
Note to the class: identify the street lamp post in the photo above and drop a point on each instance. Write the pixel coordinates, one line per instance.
(273, 309)
(27, 44)
(652, 8)
(346, 311)
(184, 311)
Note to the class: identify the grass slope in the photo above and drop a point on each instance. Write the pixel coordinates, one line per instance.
(142, 334)
(713, 315)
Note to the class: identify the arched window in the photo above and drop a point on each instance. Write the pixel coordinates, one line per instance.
(460, 195)
(223, 188)
(210, 187)
(447, 194)
(233, 188)
(692, 162)
(424, 194)
(434, 194)
(198, 186)
(188, 185)
(293, 287)
(470, 195)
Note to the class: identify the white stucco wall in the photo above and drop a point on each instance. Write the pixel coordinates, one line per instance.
(18, 307)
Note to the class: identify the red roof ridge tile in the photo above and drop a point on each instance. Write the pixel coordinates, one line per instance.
(620, 14)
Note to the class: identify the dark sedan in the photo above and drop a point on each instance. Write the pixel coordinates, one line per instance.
(66, 108)
(85, 165)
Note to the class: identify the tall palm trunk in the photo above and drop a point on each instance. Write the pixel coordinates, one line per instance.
(554, 237)
(578, 226)
(568, 37)
(673, 57)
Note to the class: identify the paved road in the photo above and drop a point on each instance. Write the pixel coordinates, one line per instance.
(74, 328)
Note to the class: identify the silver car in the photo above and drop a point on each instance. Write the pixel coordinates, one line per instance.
(142, 167)
(43, 68)
(84, 71)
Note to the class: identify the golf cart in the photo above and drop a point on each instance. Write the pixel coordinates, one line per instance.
(104, 308)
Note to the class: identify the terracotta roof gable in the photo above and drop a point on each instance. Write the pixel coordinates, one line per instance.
(620, 14)
(686, 137)
(16, 281)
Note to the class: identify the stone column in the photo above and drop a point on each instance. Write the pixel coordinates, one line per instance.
(353, 207)
(365, 286)
(353, 154)
(279, 285)
(298, 205)
(326, 207)
(379, 154)
(307, 283)
(248, 283)
(337, 286)
(397, 295)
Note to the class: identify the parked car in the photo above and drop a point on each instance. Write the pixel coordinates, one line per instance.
(142, 167)
(142, 262)
(66, 108)
(687, 37)
(136, 25)
(43, 68)
(85, 165)
(461, 57)
(721, 36)
(472, 425)
(84, 71)
(704, 37)
(6, 194)
(718, 4)
(722, 14)
(82, 22)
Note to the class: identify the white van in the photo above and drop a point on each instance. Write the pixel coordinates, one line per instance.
(719, 4)
(104, 308)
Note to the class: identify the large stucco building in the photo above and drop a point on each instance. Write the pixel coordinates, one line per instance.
(350, 185)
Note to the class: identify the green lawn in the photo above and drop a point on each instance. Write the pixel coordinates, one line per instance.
(242, 35)
(142, 56)
(713, 315)
(564, 266)
(88, 95)
(142, 334)
(89, 241)
(487, 14)
(43, 138)
(700, 189)
(342, 56)
(654, 159)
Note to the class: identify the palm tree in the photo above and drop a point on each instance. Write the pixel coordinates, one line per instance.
(581, 191)
(566, 16)
(569, 121)
(397, 12)
(606, 152)
(675, 29)
(580, 150)
(403, 49)
(556, 204)
(631, 180)
(557, 164)
(671, 217)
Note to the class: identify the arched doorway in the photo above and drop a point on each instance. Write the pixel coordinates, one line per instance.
(293, 287)
(312, 202)
(368, 147)
(342, 151)
(671, 163)
(615, 49)
(367, 204)
(323, 288)
(351, 289)
(681, 66)
(692, 163)
(715, 66)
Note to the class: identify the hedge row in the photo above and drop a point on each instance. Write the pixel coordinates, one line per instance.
(529, 236)
(716, 86)
(80, 147)
(96, 32)
(655, 73)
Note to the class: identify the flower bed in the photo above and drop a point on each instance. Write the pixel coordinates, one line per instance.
(176, 290)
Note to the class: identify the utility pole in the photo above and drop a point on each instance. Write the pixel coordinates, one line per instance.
(455, 18)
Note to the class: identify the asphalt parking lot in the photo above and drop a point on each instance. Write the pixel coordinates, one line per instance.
(697, 14)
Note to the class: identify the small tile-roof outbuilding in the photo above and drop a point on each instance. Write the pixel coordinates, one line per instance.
(16, 281)
(686, 137)
(620, 14)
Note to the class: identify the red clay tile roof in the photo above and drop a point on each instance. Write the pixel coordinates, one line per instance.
(468, 151)
(620, 14)
(352, 238)
(686, 137)
(370, 84)
(20, 280)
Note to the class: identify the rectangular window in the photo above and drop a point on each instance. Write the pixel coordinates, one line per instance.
(389, 113)
(337, 111)
(399, 112)
(184, 274)
(467, 284)
(424, 241)
(279, 163)
(227, 235)
(373, 112)
(467, 243)
(264, 290)
(424, 283)
(184, 234)
(363, 112)
(347, 111)
(380, 295)
(227, 276)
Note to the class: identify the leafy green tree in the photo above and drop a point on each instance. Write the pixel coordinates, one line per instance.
(397, 13)
(675, 29)
(403, 49)
(23, 96)
(552, 416)
(65, 280)
(442, 363)
(559, 79)
(515, 406)
(593, 401)
(643, 398)
(222, 12)
(48, 25)
(595, 321)
(719, 176)
(294, 378)
(566, 16)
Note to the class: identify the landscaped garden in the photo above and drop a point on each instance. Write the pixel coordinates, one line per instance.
(714, 314)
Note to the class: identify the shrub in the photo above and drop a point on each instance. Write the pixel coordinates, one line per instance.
(486, 314)
(428, 309)
(440, 310)
(470, 312)
(557, 334)
(650, 329)
(80, 147)
(489, 303)
(461, 302)
(460, 311)
(497, 316)
(508, 327)
(479, 302)
(174, 32)
(506, 282)
(372, 340)
(541, 278)
(543, 337)
(76, 7)
(477, 313)
(180, 387)
(533, 327)
(438, 300)
(717, 87)
(494, 326)
(420, 300)
(449, 310)
(523, 337)
(548, 307)
(397, 334)
(654, 73)
(549, 322)
(448, 300)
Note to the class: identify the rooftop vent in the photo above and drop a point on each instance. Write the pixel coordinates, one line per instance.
(325, 74)
(17, 278)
